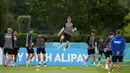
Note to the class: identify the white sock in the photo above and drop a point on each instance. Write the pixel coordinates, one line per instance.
(109, 72)
(28, 61)
(106, 65)
(94, 63)
(84, 63)
(40, 62)
(44, 62)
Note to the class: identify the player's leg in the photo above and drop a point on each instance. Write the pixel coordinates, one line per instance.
(107, 59)
(10, 57)
(66, 46)
(44, 56)
(120, 58)
(32, 53)
(38, 55)
(61, 40)
(88, 56)
(99, 57)
(114, 59)
(15, 57)
(28, 57)
(94, 57)
(5, 51)
(68, 39)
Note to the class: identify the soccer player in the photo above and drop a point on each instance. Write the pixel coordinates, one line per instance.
(100, 46)
(108, 50)
(118, 46)
(29, 47)
(8, 45)
(40, 43)
(16, 47)
(66, 32)
(91, 47)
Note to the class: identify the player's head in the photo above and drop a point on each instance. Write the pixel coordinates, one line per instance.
(111, 35)
(38, 34)
(118, 32)
(101, 39)
(69, 19)
(31, 30)
(10, 30)
(15, 33)
(93, 32)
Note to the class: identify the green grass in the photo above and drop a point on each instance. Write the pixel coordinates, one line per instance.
(58, 69)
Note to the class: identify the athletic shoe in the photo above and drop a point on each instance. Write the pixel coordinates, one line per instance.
(45, 65)
(59, 47)
(27, 64)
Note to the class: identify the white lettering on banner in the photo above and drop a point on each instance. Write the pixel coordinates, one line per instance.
(20, 55)
(49, 57)
(73, 57)
(69, 58)
(57, 58)
(79, 59)
(63, 58)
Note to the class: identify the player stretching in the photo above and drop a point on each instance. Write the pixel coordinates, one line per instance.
(108, 50)
(118, 46)
(91, 47)
(29, 47)
(100, 46)
(40, 43)
(66, 32)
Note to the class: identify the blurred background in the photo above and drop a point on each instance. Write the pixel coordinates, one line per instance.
(49, 16)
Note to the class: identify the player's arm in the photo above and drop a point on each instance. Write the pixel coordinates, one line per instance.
(112, 45)
(61, 30)
(123, 46)
(74, 28)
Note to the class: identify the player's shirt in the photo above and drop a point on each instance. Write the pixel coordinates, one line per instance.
(68, 27)
(29, 40)
(101, 46)
(8, 41)
(40, 42)
(107, 43)
(91, 42)
(118, 44)
(16, 45)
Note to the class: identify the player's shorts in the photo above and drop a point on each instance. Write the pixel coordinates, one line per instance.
(30, 51)
(15, 51)
(8, 51)
(108, 53)
(41, 50)
(91, 51)
(101, 52)
(117, 58)
(67, 37)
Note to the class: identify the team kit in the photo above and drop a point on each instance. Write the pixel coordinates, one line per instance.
(113, 47)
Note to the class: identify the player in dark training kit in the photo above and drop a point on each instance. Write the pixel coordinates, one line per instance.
(100, 46)
(16, 47)
(40, 43)
(29, 47)
(66, 32)
(118, 46)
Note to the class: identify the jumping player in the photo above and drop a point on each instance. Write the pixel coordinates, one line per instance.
(40, 43)
(66, 32)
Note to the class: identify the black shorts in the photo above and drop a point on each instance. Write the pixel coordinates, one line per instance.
(41, 50)
(30, 51)
(67, 37)
(16, 51)
(117, 58)
(91, 51)
(108, 54)
(101, 52)
(8, 51)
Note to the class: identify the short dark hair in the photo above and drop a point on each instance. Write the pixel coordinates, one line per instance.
(118, 32)
(111, 33)
(30, 29)
(93, 31)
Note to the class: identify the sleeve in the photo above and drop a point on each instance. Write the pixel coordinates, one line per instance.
(46, 39)
(29, 38)
(3, 41)
(64, 26)
(112, 45)
(87, 42)
(13, 41)
(18, 43)
(123, 45)
(74, 26)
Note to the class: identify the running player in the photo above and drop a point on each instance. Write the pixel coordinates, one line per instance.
(40, 43)
(8, 45)
(16, 47)
(118, 46)
(29, 47)
(108, 50)
(66, 32)
(100, 46)
(91, 47)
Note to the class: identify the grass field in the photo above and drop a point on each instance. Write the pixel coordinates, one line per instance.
(58, 69)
